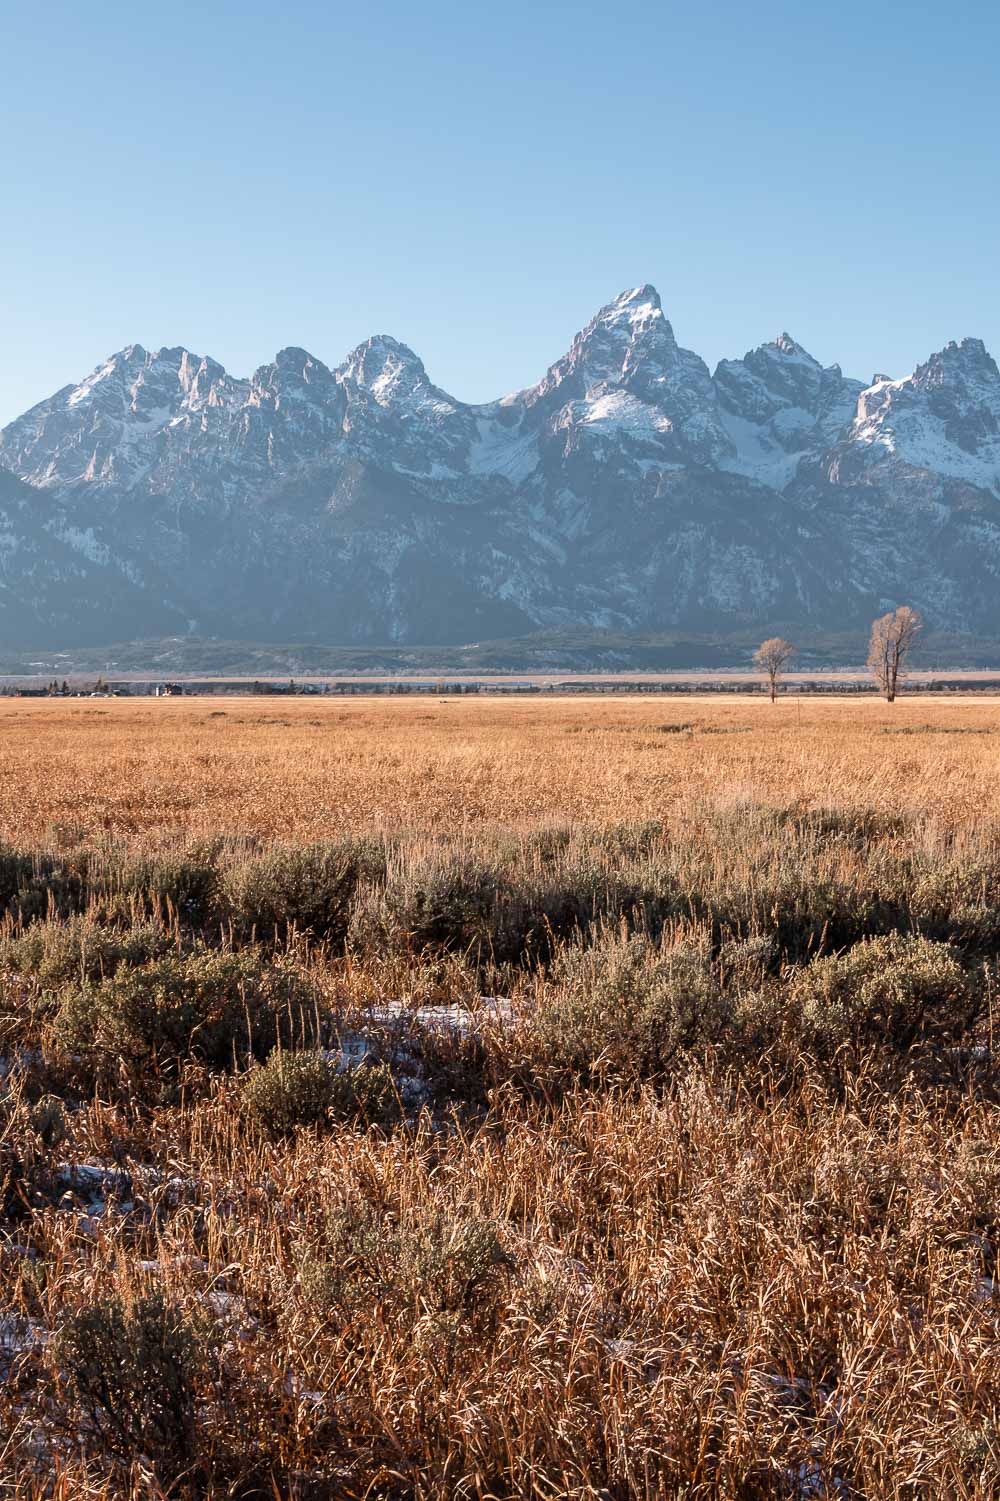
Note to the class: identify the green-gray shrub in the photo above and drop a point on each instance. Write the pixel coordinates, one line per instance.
(586, 891)
(220, 1008)
(434, 1261)
(16, 870)
(294, 1089)
(132, 1371)
(633, 1003)
(745, 962)
(445, 900)
(308, 889)
(56, 952)
(33, 884)
(183, 884)
(290, 1090)
(29, 1132)
(891, 991)
(959, 901)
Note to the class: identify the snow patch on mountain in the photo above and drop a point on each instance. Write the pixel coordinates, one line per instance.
(504, 452)
(945, 417)
(756, 454)
(618, 411)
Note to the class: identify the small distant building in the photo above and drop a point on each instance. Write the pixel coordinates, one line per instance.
(169, 690)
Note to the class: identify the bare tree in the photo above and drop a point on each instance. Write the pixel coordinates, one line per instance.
(772, 657)
(892, 636)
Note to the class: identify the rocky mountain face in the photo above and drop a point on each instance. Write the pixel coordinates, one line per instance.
(631, 488)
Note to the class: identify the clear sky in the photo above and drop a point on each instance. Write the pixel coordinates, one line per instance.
(477, 180)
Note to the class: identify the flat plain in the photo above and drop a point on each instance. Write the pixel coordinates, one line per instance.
(308, 768)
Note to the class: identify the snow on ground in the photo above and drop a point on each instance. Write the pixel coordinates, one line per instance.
(464, 1021)
(18, 1336)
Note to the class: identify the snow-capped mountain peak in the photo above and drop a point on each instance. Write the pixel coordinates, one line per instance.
(963, 367)
(623, 334)
(626, 378)
(105, 429)
(384, 381)
(293, 375)
(944, 418)
(301, 363)
(786, 345)
(639, 308)
(389, 372)
(632, 326)
(111, 374)
(780, 406)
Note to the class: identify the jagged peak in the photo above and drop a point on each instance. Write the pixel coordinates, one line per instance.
(291, 369)
(790, 348)
(123, 374)
(628, 342)
(633, 313)
(636, 309)
(969, 352)
(638, 297)
(384, 347)
(300, 362)
(969, 346)
(769, 360)
(381, 365)
(786, 349)
(960, 359)
(135, 360)
(131, 358)
(173, 355)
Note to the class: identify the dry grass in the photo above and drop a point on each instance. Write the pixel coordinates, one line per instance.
(710, 1210)
(308, 769)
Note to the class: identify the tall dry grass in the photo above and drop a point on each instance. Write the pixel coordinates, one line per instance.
(308, 768)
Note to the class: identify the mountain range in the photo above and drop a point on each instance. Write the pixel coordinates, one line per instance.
(630, 489)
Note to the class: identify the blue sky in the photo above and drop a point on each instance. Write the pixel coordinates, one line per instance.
(478, 180)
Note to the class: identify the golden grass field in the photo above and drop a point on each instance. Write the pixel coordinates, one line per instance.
(310, 768)
(573, 1099)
